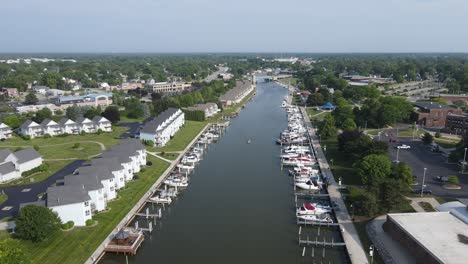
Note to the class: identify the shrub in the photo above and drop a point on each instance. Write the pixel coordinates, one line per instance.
(89, 222)
(142, 170)
(82, 133)
(99, 131)
(36, 147)
(76, 145)
(36, 223)
(149, 163)
(40, 168)
(148, 143)
(47, 136)
(437, 134)
(26, 137)
(453, 179)
(67, 225)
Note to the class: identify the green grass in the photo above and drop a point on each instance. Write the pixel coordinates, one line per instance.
(3, 197)
(311, 111)
(4, 234)
(443, 200)
(54, 166)
(342, 165)
(125, 119)
(447, 142)
(292, 81)
(183, 137)
(170, 156)
(77, 245)
(409, 133)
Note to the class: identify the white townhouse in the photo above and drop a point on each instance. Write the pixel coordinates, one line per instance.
(93, 186)
(136, 146)
(86, 125)
(5, 131)
(102, 123)
(104, 175)
(116, 169)
(50, 127)
(209, 109)
(124, 160)
(236, 94)
(70, 202)
(13, 164)
(30, 128)
(163, 127)
(68, 126)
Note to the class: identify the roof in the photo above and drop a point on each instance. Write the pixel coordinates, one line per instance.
(113, 153)
(112, 163)
(66, 194)
(8, 167)
(91, 182)
(29, 123)
(152, 125)
(64, 120)
(102, 172)
(4, 153)
(430, 105)
(48, 122)
(201, 107)
(26, 155)
(437, 232)
(100, 119)
(81, 120)
(328, 105)
(234, 93)
(2, 125)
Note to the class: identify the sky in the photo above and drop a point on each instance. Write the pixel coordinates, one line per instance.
(233, 26)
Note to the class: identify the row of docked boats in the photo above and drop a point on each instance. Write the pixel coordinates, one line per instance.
(301, 162)
(178, 179)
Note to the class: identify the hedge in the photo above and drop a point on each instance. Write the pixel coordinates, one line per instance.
(40, 168)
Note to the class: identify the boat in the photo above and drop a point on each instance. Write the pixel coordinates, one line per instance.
(313, 209)
(309, 185)
(185, 167)
(176, 182)
(161, 200)
(249, 141)
(284, 104)
(190, 159)
(316, 218)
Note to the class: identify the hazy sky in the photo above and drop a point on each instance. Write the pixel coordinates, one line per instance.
(233, 26)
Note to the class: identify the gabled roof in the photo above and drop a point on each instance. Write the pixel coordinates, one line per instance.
(152, 126)
(2, 125)
(430, 105)
(48, 122)
(90, 182)
(81, 120)
(112, 163)
(66, 121)
(123, 157)
(29, 123)
(4, 153)
(26, 155)
(132, 143)
(7, 168)
(102, 172)
(67, 194)
(98, 119)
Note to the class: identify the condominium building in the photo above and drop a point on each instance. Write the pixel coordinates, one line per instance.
(169, 87)
(163, 127)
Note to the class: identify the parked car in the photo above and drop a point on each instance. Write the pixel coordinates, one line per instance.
(404, 147)
(425, 191)
(442, 178)
(392, 140)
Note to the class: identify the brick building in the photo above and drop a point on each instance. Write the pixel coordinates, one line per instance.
(432, 114)
(456, 124)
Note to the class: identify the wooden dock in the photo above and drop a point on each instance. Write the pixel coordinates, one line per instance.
(128, 245)
(312, 223)
(316, 243)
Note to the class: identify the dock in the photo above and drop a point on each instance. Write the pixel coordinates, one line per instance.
(128, 245)
(316, 243)
(312, 223)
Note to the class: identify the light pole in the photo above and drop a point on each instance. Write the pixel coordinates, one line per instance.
(464, 161)
(371, 253)
(424, 178)
(397, 154)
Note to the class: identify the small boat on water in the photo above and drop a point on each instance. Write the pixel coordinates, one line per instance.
(308, 185)
(185, 167)
(161, 200)
(249, 141)
(176, 182)
(316, 218)
(313, 209)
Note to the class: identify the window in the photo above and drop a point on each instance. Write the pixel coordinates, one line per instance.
(87, 212)
(111, 180)
(100, 191)
(112, 189)
(86, 204)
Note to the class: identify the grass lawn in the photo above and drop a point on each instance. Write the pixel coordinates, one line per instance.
(170, 156)
(108, 139)
(292, 81)
(409, 133)
(54, 166)
(313, 111)
(443, 200)
(77, 245)
(183, 137)
(3, 197)
(125, 119)
(447, 142)
(342, 165)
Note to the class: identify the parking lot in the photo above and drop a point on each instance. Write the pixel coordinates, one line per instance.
(420, 156)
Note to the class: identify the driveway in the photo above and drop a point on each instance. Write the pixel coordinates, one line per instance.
(28, 193)
(134, 129)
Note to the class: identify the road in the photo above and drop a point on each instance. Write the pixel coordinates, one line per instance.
(29, 193)
(215, 74)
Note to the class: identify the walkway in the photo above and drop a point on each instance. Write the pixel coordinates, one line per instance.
(159, 157)
(415, 203)
(103, 147)
(350, 235)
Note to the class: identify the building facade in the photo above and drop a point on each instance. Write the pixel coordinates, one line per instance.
(432, 114)
(169, 87)
(163, 127)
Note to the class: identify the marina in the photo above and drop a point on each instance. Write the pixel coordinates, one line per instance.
(240, 204)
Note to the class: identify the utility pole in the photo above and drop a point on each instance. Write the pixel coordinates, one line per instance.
(424, 178)
(371, 253)
(464, 161)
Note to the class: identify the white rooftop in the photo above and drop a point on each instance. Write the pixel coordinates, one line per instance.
(437, 232)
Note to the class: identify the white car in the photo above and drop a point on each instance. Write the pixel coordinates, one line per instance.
(404, 147)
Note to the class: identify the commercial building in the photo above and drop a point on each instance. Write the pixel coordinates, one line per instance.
(433, 237)
(236, 94)
(456, 124)
(89, 100)
(12, 164)
(161, 128)
(169, 87)
(35, 108)
(432, 114)
(77, 197)
(209, 109)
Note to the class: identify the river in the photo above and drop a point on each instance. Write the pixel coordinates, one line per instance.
(239, 207)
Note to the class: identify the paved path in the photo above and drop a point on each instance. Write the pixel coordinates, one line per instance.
(390, 250)
(103, 147)
(350, 235)
(159, 157)
(415, 203)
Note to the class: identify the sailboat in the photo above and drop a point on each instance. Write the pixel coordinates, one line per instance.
(249, 141)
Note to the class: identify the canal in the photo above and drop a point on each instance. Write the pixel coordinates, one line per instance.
(239, 206)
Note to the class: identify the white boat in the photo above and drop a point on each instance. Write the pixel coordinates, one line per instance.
(249, 141)
(161, 200)
(185, 167)
(316, 218)
(190, 159)
(313, 209)
(284, 104)
(309, 185)
(176, 182)
(301, 161)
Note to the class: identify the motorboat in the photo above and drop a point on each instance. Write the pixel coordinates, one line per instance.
(249, 141)
(161, 200)
(190, 159)
(316, 218)
(185, 167)
(176, 182)
(313, 209)
(309, 185)
(303, 160)
(296, 149)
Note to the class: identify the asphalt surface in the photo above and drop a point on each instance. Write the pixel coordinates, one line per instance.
(29, 193)
(134, 129)
(420, 156)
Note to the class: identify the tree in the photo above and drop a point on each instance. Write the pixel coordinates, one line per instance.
(348, 124)
(452, 179)
(427, 138)
(315, 99)
(31, 99)
(373, 169)
(364, 203)
(327, 128)
(12, 121)
(73, 112)
(390, 194)
(42, 114)
(112, 113)
(12, 252)
(58, 112)
(92, 112)
(36, 223)
(403, 173)
(377, 147)
(353, 142)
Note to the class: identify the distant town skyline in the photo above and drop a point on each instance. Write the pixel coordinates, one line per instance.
(166, 26)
